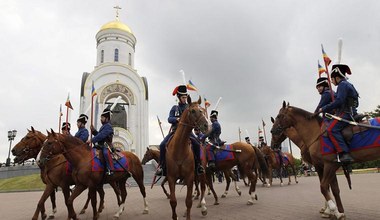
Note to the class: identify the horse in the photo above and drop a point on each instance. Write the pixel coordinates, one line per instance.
(309, 130)
(154, 154)
(247, 158)
(180, 159)
(273, 163)
(81, 158)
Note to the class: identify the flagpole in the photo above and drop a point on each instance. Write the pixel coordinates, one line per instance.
(92, 117)
(265, 136)
(67, 118)
(159, 124)
(328, 75)
(239, 135)
(60, 118)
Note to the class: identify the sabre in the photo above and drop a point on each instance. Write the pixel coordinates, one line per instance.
(330, 116)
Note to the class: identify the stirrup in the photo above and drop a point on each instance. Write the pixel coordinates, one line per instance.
(109, 173)
(159, 172)
(200, 170)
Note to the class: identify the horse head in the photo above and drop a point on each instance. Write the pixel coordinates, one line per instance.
(282, 122)
(195, 115)
(148, 156)
(51, 147)
(29, 146)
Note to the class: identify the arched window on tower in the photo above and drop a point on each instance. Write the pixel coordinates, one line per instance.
(116, 57)
(130, 59)
(102, 56)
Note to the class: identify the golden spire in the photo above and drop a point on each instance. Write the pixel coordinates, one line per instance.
(117, 12)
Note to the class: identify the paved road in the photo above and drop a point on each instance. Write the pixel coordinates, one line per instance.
(296, 201)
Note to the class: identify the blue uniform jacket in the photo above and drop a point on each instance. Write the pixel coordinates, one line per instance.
(105, 134)
(216, 130)
(82, 134)
(176, 112)
(325, 99)
(344, 91)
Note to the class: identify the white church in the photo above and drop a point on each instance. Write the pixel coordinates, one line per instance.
(117, 83)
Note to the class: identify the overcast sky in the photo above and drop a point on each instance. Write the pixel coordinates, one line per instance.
(253, 54)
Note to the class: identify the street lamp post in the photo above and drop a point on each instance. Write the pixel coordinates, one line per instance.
(11, 137)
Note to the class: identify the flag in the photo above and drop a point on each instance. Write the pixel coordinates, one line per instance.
(320, 69)
(158, 119)
(191, 86)
(207, 103)
(60, 110)
(325, 57)
(93, 91)
(68, 103)
(263, 123)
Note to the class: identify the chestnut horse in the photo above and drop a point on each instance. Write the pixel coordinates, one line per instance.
(247, 158)
(273, 163)
(80, 157)
(154, 154)
(29, 147)
(309, 130)
(180, 159)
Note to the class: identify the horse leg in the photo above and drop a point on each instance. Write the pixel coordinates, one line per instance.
(123, 195)
(66, 194)
(319, 170)
(228, 182)
(92, 193)
(173, 200)
(86, 204)
(101, 193)
(140, 182)
(54, 205)
(252, 189)
(290, 181)
(77, 191)
(163, 187)
(202, 200)
(336, 192)
(116, 189)
(295, 174)
(328, 177)
(196, 191)
(41, 203)
(280, 175)
(189, 201)
(211, 186)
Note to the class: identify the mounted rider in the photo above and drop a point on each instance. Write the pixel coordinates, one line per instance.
(66, 126)
(103, 138)
(345, 105)
(82, 132)
(324, 90)
(174, 117)
(213, 136)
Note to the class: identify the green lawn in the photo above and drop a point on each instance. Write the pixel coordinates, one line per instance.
(22, 183)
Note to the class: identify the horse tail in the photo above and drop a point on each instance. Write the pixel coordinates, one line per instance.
(263, 164)
(347, 174)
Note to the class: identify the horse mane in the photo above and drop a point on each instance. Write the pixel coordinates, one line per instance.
(73, 140)
(305, 114)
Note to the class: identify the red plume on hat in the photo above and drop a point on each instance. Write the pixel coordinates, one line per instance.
(175, 91)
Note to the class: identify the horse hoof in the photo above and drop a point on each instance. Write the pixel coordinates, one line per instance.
(281, 184)
(216, 203)
(322, 210)
(204, 213)
(239, 193)
(341, 216)
(268, 185)
(297, 182)
(250, 202)
(324, 215)
(43, 217)
(145, 212)
(289, 183)
(256, 198)
(223, 196)
(51, 216)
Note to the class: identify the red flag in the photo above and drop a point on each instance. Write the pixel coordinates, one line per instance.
(325, 57)
(320, 69)
(68, 103)
(191, 86)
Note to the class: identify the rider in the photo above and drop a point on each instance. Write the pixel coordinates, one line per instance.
(104, 138)
(82, 132)
(345, 104)
(66, 128)
(213, 135)
(324, 90)
(248, 140)
(198, 133)
(174, 117)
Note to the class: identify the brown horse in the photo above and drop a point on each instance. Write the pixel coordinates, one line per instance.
(273, 163)
(29, 147)
(80, 156)
(309, 130)
(247, 159)
(154, 154)
(180, 159)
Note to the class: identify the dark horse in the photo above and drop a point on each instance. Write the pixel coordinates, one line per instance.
(180, 158)
(80, 157)
(273, 163)
(309, 130)
(29, 147)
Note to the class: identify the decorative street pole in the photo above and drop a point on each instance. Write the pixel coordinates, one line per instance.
(11, 137)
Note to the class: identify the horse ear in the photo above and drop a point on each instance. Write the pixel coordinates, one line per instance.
(188, 99)
(28, 130)
(147, 148)
(287, 105)
(51, 129)
(283, 104)
(32, 129)
(272, 119)
(48, 133)
(199, 100)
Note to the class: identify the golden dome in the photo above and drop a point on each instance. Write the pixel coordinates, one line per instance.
(116, 25)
